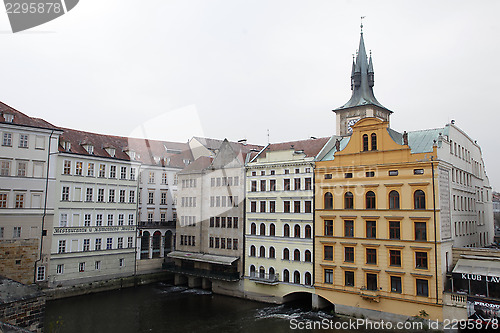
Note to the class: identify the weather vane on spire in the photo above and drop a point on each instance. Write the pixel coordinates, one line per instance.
(362, 17)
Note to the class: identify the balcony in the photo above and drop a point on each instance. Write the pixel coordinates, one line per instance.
(455, 299)
(264, 278)
(156, 224)
(205, 273)
(372, 295)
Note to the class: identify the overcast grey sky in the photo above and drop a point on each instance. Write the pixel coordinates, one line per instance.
(174, 69)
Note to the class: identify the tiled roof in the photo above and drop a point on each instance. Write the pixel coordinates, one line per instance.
(200, 164)
(171, 154)
(214, 144)
(22, 119)
(310, 147)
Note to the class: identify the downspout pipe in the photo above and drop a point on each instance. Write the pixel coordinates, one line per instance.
(435, 232)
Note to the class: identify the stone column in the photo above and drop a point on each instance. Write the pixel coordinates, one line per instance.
(150, 247)
(162, 246)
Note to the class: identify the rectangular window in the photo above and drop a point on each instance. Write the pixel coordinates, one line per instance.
(217, 242)
(418, 171)
(98, 220)
(62, 247)
(90, 170)
(421, 260)
(130, 242)
(67, 168)
(123, 172)
(296, 206)
(328, 176)
(235, 243)
(393, 172)
(120, 242)
(286, 185)
(422, 287)
(111, 196)
(263, 185)
(394, 230)
(235, 224)
(131, 196)
(60, 269)
(109, 243)
(112, 171)
(151, 178)
(97, 265)
(98, 243)
(348, 228)
(349, 278)
(63, 220)
(328, 228)
(89, 195)
(121, 262)
(395, 258)
(81, 267)
(421, 231)
(396, 284)
(79, 168)
(272, 206)
(3, 200)
(86, 245)
(370, 174)
(349, 254)
(121, 218)
(130, 219)
(348, 175)
(272, 185)
(328, 252)
(163, 199)
(253, 186)
(65, 193)
(17, 232)
(308, 184)
(19, 201)
(21, 169)
(100, 195)
(307, 207)
(102, 170)
(87, 220)
(371, 256)
(262, 206)
(110, 219)
(328, 276)
(253, 206)
(371, 229)
(371, 282)
(132, 173)
(4, 168)
(7, 139)
(286, 206)
(296, 184)
(151, 196)
(40, 273)
(23, 141)
(122, 196)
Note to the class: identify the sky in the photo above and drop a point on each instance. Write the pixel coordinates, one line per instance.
(258, 69)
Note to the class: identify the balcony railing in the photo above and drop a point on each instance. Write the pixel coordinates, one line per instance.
(455, 299)
(264, 278)
(153, 224)
(216, 275)
(372, 295)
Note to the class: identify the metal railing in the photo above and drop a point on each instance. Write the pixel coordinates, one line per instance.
(264, 278)
(153, 224)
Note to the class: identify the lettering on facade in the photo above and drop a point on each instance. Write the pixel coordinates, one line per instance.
(476, 277)
(72, 230)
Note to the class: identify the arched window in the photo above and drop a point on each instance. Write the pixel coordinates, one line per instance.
(307, 256)
(328, 200)
(262, 272)
(308, 233)
(296, 277)
(419, 197)
(296, 230)
(252, 270)
(286, 254)
(145, 245)
(365, 142)
(296, 255)
(156, 244)
(374, 141)
(262, 252)
(286, 230)
(286, 276)
(252, 251)
(393, 200)
(271, 273)
(262, 229)
(308, 279)
(272, 230)
(370, 200)
(348, 200)
(253, 229)
(272, 252)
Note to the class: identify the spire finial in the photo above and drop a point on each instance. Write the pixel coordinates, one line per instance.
(362, 17)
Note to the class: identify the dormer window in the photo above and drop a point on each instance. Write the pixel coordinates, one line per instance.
(157, 159)
(66, 145)
(131, 154)
(110, 151)
(9, 118)
(89, 149)
(186, 162)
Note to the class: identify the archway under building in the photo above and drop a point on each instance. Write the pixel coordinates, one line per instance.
(145, 245)
(168, 241)
(308, 300)
(156, 244)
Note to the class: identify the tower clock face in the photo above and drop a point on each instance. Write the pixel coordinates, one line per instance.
(350, 124)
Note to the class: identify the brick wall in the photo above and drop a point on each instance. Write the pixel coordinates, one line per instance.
(17, 259)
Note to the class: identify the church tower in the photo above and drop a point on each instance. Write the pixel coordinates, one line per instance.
(363, 102)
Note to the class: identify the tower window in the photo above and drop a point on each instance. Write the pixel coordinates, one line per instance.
(374, 141)
(365, 142)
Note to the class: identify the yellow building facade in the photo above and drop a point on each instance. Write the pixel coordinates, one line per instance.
(377, 217)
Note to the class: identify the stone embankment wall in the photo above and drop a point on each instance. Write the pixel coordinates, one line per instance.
(17, 259)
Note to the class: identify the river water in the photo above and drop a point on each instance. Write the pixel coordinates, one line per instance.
(165, 308)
